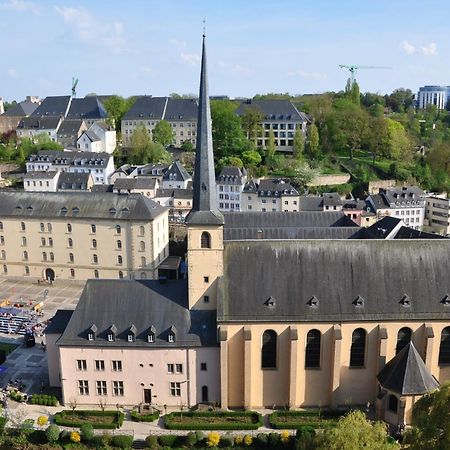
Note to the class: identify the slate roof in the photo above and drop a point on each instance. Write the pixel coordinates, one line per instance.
(181, 109)
(163, 108)
(59, 321)
(40, 175)
(332, 199)
(91, 135)
(274, 110)
(407, 374)
(231, 175)
(55, 106)
(272, 187)
(70, 127)
(78, 204)
(148, 169)
(22, 109)
(175, 193)
(39, 123)
(176, 172)
(73, 180)
(383, 272)
(135, 183)
(239, 234)
(311, 203)
(73, 158)
(144, 304)
(86, 108)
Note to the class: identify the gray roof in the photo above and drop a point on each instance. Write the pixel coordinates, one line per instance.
(86, 108)
(239, 234)
(53, 106)
(274, 110)
(336, 272)
(73, 180)
(175, 193)
(97, 205)
(311, 203)
(59, 321)
(162, 108)
(73, 158)
(40, 174)
(231, 175)
(39, 123)
(144, 304)
(272, 187)
(70, 127)
(22, 109)
(407, 374)
(205, 209)
(399, 197)
(176, 172)
(135, 183)
(91, 135)
(332, 199)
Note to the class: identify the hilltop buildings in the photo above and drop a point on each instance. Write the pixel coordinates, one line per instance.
(433, 96)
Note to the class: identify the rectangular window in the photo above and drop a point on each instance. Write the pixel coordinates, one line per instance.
(170, 368)
(81, 364)
(203, 366)
(101, 388)
(117, 366)
(206, 299)
(178, 368)
(175, 389)
(206, 279)
(99, 364)
(83, 387)
(118, 388)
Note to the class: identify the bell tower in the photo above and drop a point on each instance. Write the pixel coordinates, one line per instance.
(205, 221)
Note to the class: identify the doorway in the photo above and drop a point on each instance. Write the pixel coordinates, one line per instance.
(147, 396)
(205, 394)
(49, 274)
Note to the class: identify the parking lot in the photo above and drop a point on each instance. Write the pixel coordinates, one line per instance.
(30, 364)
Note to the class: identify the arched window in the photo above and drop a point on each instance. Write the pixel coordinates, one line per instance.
(143, 276)
(403, 338)
(205, 241)
(93, 228)
(44, 256)
(52, 256)
(3, 254)
(205, 394)
(70, 243)
(119, 244)
(27, 270)
(141, 231)
(50, 242)
(141, 246)
(71, 258)
(269, 350)
(22, 226)
(5, 269)
(312, 351)
(1, 226)
(72, 273)
(118, 229)
(25, 255)
(49, 227)
(119, 259)
(42, 226)
(444, 349)
(69, 228)
(94, 243)
(143, 261)
(96, 273)
(95, 259)
(120, 274)
(393, 403)
(358, 348)
(24, 241)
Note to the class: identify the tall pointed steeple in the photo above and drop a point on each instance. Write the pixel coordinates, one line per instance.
(204, 210)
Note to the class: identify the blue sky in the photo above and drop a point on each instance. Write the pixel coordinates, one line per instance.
(153, 47)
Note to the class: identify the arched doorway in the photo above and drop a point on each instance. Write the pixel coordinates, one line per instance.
(49, 274)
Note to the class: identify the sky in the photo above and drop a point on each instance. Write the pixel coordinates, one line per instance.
(151, 47)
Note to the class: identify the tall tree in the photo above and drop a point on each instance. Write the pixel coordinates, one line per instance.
(251, 122)
(378, 136)
(116, 107)
(270, 148)
(398, 145)
(299, 144)
(163, 133)
(144, 150)
(312, 144)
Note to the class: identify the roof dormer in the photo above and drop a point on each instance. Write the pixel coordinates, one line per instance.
(131, 335)
(151, 334)
(171, 335)
(92, 332)
(112, 332)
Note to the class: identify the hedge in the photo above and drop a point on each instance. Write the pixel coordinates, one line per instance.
(256, 421)
(65, 419)
(136, 417)
(122, 441)
(43, 399)
(312, 418)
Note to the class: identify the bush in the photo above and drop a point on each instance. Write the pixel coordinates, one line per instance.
(42, 421)
(152, 441)
(69, 419)
(213, 439)
(305, 432)
(43, 399)
(136, 417)
(87, 432)
(285, 437)
(52, 433)
(167, 440)
(122, 441)
(239, 439)
(314, 418)
(64, 435)
(75, 437)
(227, 440)
(2, 423)
(262, 439)
(200, 436)
(191, 439)
(274, 439)
(248, 440)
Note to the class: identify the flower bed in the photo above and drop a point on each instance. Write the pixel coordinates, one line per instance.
(312, 418)
(136, 416)
(220, 420)
(98, 419)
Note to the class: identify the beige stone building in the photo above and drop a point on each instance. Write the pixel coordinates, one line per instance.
(80, 236)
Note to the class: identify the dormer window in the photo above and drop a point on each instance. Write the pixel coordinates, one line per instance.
(131, 337)
(90, 336)
(151, 334)
(92, 332)
(171, 334)
(131, 333)
(110, 337)
(112, 333)
(171, 338)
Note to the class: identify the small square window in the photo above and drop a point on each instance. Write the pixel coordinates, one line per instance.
(206, 279)
(203, 366)
(206, 299)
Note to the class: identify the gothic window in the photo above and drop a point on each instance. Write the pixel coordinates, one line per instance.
(444, 349)
(403, 338)
(269, 350)
(312, 351)
(393, 403)
(358, 348)
(205, 241)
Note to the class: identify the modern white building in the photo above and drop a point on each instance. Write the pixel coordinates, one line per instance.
(433, 95)
(437, 213)
(98, 138)
(41, 181)
(230, 184)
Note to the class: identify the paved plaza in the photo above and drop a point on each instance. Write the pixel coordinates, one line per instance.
(30, 364)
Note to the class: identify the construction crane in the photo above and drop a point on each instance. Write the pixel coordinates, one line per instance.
(74, 86)
(353, 69)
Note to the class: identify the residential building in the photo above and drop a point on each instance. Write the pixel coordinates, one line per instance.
(90, 109)
(406, 203)
(98, 138)
(41, 181)
(179, 202)
(270, 195)
(74, 182)
(230, 184)
(433, 96)
(30, 127)
(280, 116)
(69, 132)
(176, 177)
(53, 106)
(74, 235)
(11, 118)
(148, 111)
(140, 185)
(99, 165)
(437, 214)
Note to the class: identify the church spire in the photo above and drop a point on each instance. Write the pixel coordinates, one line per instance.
(204, 210)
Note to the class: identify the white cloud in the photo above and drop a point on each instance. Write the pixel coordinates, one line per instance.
(88, 30)
(12, 73)
(190, 58)
(429, 50)
(177, 43)
(408, 48)
(308, 75)
(21, 6)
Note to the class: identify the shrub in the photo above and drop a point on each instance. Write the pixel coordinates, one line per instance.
(213, 439)
(75, 437)
(167, 440)
(285, 437)
(64, 435)
(239, 439)
(42, 421)
(43, 399)
(227, 440)
(200, 436)
(136, 417)
(274, 439)
(305, 431)
(2, 423)
(52, 433)
(262, 439)
(152, 441)
(87, 432)
(248, 440)
(191, 439)
(122, 441)
(69, 419)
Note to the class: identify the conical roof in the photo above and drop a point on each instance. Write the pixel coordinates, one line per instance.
(407, 374)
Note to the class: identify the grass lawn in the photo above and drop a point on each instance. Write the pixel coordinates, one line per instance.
(7, 348)
(294, 419)
(98, 419)
(213, 421)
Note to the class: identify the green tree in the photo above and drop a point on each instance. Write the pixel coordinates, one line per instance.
(400, 100)
(163, 133)
(352, 129)
(116, 107)
(312, 143)
(299, 144)
(230, 161)
(52, 433)
(187, 146)
(270, 148)
(354, 432)
(378, 136)
(398, 143)
(251, 158)
(304, 173)
(144, 150)
(251, 123)
(439, 157)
